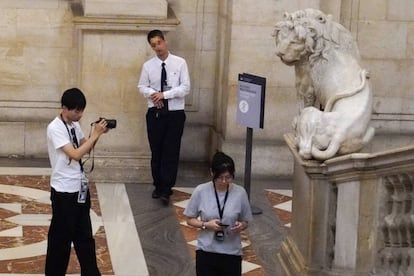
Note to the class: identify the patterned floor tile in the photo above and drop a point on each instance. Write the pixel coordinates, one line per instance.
(25, 214)
(281, 200)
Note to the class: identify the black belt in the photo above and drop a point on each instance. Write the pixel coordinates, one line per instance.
(155, 109)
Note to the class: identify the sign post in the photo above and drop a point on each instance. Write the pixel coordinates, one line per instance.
(250, 113)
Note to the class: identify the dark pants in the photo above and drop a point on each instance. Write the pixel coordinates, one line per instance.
(215, 264)
(164, 135)
(71, 222)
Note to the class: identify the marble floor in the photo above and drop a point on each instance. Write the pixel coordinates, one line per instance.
(135, 235)
(251, 265)
(25, 214)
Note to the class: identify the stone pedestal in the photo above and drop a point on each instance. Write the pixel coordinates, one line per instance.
(351, 215)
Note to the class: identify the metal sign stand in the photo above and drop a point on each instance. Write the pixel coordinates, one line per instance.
(248, 168)
(250, 113)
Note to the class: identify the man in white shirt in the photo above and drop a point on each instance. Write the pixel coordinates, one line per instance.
(71, 221)
(165, 94)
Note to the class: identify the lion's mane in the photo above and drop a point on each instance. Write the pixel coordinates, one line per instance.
(319, 33)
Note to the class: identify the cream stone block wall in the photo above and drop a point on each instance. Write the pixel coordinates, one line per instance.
(13, 137)
(393, 37)
(373, 9)
(110, 66)
(34, 139)
(400, 10)
(36, 60)
(195, 39)
(46, 49)
(252, 50)
(139, 8)
(385, 35)
(110, 63)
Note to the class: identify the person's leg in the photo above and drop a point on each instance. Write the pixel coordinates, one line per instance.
(205, 263)
(171, 150)
(230, 265)
(84, 242)
(60, 234)
(155, 133)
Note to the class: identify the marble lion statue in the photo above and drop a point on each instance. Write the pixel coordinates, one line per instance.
(336, 99)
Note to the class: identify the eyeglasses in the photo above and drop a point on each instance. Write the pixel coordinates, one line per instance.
(226, 178)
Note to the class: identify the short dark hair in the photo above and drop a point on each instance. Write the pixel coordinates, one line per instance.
(73, 98)
(222, 163)
(153, 34)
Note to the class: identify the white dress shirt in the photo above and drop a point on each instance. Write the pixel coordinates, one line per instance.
(178, 79)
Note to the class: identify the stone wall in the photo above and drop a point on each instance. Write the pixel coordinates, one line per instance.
(47, 46)
(385, 34)
(37, 53)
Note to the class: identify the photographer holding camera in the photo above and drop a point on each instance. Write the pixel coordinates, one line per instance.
(222, 210)
(70, 195)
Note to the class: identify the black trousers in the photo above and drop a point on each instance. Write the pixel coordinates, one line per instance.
(215, 264)
(71, 222)
(164, 132)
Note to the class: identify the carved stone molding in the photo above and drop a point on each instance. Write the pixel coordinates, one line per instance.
(130, 22)
(22, 111)
(127, 23)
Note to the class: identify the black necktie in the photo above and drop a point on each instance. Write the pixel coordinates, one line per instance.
(164, 83)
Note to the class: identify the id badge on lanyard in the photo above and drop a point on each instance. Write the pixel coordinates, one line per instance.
(83, 190)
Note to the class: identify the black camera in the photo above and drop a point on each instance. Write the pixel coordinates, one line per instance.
(110, 123)
(219, 236)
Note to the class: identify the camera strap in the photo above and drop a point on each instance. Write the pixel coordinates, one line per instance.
(73, 139)
(89, 153)
(220, 209)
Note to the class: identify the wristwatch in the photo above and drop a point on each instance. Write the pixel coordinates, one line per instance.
(203, 226)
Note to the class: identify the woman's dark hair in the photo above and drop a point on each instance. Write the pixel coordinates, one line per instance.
(222, 163)
(73, 98)
(154, 33)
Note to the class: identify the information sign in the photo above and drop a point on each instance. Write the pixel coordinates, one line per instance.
(251, 97)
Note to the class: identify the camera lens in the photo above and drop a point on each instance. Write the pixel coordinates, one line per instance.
(110, 123)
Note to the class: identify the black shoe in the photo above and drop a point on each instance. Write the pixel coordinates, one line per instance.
(155, 194)
(165, 200)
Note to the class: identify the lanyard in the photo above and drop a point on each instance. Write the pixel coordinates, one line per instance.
(221, 210)
(73, 139)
